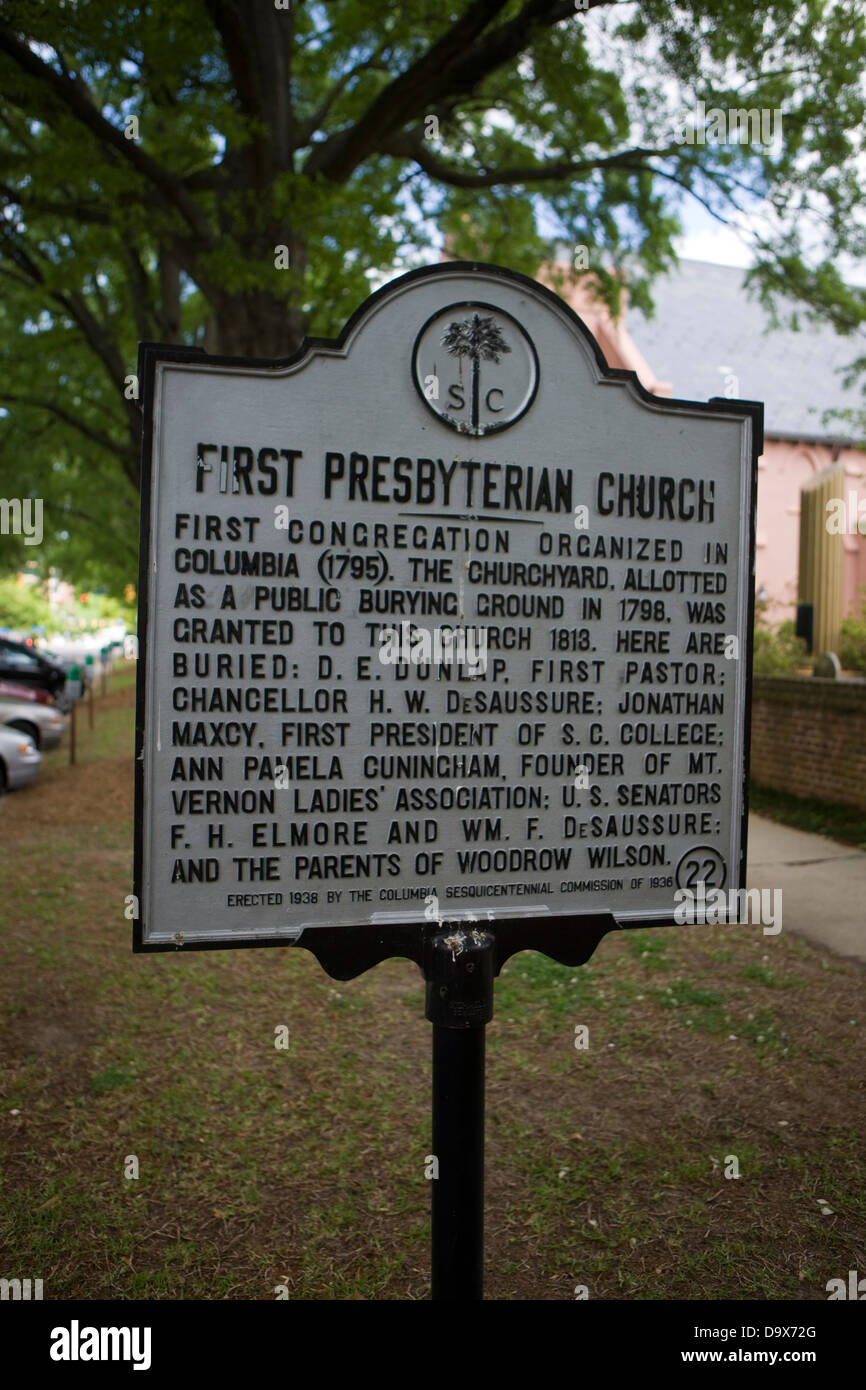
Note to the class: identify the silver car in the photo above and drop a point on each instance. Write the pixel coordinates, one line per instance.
(43, 723)
(20, 759)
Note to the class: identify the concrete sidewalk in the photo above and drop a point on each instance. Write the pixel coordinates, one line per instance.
(823, 884)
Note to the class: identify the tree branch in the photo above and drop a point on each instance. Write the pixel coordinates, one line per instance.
(90, 213)
(96, 436)
(67, 510)
(451, 67)
(72, 95)
(17, 279)
(413, 147)
(508, 41)
(403, 98)
(314, 122)
(94, 332)
(139, 290)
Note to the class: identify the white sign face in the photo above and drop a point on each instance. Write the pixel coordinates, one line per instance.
(443, 621)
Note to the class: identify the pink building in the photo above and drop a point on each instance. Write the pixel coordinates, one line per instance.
(709, 339)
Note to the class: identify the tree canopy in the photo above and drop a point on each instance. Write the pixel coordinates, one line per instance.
(234, 173)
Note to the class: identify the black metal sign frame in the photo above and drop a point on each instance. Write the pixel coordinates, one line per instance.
(347, 951)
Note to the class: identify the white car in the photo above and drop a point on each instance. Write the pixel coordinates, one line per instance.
(20, 759)
(43, 723)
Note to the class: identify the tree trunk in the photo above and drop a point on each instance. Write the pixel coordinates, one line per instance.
(263, 322)
(257, 325)
(169, 295)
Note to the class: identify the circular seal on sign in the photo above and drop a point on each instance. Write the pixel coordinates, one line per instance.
(703, 864)
(475, 367)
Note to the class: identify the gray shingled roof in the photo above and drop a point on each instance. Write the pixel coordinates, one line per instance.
(704, 321)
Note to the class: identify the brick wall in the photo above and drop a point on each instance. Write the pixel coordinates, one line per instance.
(809, 737)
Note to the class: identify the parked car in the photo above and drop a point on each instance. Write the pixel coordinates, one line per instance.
(20, 759)
(26, 666)
(11, 690)
(43, 723)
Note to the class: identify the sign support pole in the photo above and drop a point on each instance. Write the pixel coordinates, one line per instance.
(459, 987)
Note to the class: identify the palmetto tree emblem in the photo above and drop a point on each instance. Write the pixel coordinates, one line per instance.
(479, 339)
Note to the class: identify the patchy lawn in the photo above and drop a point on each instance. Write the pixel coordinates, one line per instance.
(257, 1166)
(844, 823)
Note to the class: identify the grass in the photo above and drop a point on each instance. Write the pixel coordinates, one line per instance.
(844, 823)
(264, 1171)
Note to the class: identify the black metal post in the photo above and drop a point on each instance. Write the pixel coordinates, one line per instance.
(459, 975)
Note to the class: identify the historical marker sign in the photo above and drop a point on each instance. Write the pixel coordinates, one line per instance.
(440, 620)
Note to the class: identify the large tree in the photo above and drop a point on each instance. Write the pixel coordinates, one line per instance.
(232, 173)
